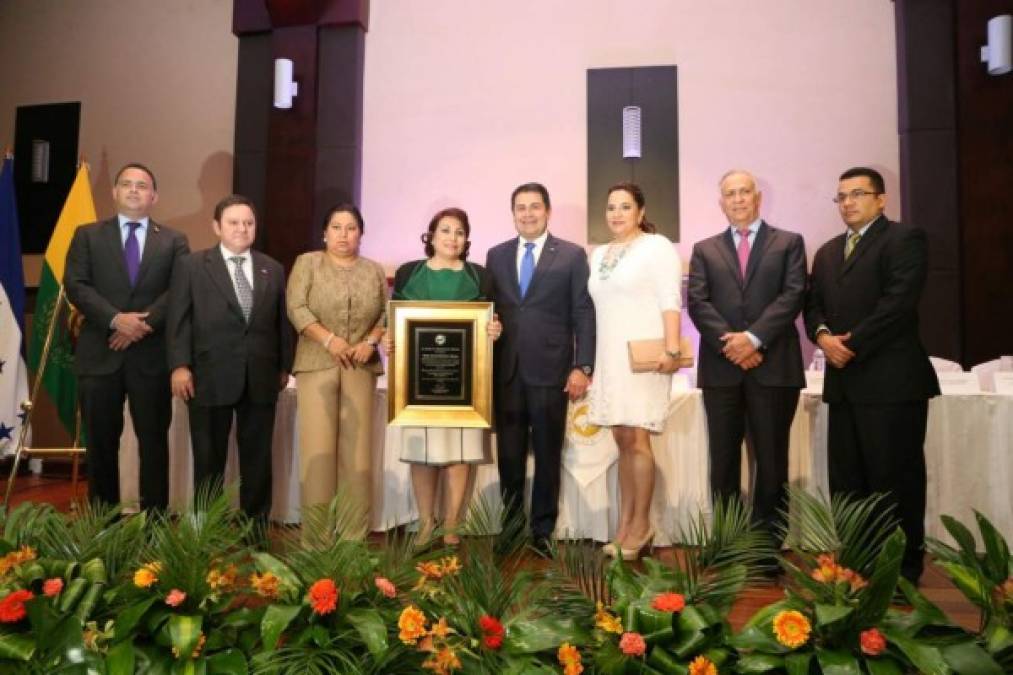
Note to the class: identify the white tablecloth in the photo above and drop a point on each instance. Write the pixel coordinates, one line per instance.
(969, 454)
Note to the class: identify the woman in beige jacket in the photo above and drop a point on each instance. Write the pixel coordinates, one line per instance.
(336, 301)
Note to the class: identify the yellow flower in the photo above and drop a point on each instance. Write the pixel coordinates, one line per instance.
(569, 658)
(701, 665)
(607, 622)
(147, 575)
(222, 580)
(266, 585)
(442, 662)
(451, 565)
(412, 625)
(791, 628)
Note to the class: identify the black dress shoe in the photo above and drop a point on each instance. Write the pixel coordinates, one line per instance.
(542, 546)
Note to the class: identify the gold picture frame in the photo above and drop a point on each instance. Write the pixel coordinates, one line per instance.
(440, 373)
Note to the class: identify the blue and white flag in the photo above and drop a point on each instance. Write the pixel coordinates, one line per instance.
(13, 374)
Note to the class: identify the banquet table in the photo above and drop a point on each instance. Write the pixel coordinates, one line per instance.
(968, 448)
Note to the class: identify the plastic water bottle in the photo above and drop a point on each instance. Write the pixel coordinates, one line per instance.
(819, 363)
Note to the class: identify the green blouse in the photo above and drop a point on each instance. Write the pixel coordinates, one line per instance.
(445, 285)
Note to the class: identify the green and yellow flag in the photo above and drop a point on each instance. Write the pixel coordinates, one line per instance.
(58, 378)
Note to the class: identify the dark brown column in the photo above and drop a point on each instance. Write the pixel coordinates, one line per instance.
(296, 163)
(956, 138)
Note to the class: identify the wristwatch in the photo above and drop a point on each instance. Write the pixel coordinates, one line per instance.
(587, 370)
(675, 355)
(372, 341)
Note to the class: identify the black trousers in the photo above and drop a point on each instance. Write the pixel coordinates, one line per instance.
(881, 448)
(537, 414)
(150, 402)
(767, 413)
(209, 433)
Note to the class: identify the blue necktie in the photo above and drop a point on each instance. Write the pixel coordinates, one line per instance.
(132, 252)
(527, 267)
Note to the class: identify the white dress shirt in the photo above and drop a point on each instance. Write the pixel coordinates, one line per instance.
(536, 251)
(231, 266)
(140, 234)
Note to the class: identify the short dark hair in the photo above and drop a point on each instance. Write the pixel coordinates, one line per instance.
(452, 212)
(638, 197)
(137, 165)
(530, 187)
(233, 200)
(344, 207)
(875, 177)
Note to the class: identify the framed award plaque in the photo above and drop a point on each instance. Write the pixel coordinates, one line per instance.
(440, 374)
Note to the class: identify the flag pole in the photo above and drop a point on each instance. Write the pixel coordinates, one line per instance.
(28, 406)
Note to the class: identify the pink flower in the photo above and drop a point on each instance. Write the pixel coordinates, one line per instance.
(386, 587)
(52, 587)
(632, 644)
(175, 598)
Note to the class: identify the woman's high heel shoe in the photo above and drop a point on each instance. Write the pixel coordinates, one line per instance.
(611, 549)
(634, 552)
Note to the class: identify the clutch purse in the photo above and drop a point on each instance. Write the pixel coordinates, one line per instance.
(644, 354)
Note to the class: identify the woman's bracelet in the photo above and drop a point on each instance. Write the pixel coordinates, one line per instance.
(327, 342)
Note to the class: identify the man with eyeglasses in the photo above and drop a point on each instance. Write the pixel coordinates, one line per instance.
(117, 276)
(862, 311)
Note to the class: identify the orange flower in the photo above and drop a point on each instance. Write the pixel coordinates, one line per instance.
(569, 658)
(323, 596)
(52, 587)
(791, 628)
(701, 665)
(853, 578)
(825, 574)
(12, 606)
(872, 641)
(411, 624)
(430, 569)
(175, 598)
(147, 575)
(607, 622)
(221, 580)
(441, 629)
(1007, 587)
(15, 558)
(201, 639)
(442, 662)
(669, 602)
(266, 585)
(385, 586)
(632, 644)
(451, 565)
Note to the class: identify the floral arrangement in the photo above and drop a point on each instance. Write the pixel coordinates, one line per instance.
(205, 592)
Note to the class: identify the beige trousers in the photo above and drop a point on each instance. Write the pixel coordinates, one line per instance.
(335, 420)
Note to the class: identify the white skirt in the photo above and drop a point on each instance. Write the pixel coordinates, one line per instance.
(444, 445)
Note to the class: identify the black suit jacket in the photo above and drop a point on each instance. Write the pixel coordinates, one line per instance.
(874, 296)
(207, 332)
(97, 284)
(551, 330)
(766, 304)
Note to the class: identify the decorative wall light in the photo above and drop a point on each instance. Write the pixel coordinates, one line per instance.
(998, 53)
(631, 132)
(285, 88)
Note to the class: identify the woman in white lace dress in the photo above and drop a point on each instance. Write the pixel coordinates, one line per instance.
(635, 283)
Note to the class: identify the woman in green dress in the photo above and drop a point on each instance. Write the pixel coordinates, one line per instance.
(444, 275)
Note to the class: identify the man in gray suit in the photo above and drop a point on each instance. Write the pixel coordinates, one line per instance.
(230, 351)
(746, 287)
(117, 275)
(545, 354)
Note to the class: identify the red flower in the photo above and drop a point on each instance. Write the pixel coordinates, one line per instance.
(669, 602)
(175, 598)
(12, 606)
(632, 644)
(492, 641)
(52, 587)
(873, 642)
(323, 596)
(492, 631)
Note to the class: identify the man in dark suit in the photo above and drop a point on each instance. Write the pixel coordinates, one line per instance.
(117, 275)
(545, 354)
(746, 288)
(230, 351)
(862, 310)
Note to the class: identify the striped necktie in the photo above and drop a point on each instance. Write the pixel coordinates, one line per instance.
(849, 246)
(243, 291)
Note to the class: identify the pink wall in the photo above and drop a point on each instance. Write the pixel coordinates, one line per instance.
(464, 100)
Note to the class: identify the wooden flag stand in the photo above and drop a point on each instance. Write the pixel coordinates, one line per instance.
(28, 406)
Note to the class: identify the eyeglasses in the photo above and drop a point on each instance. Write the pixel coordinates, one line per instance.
(854, 195)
